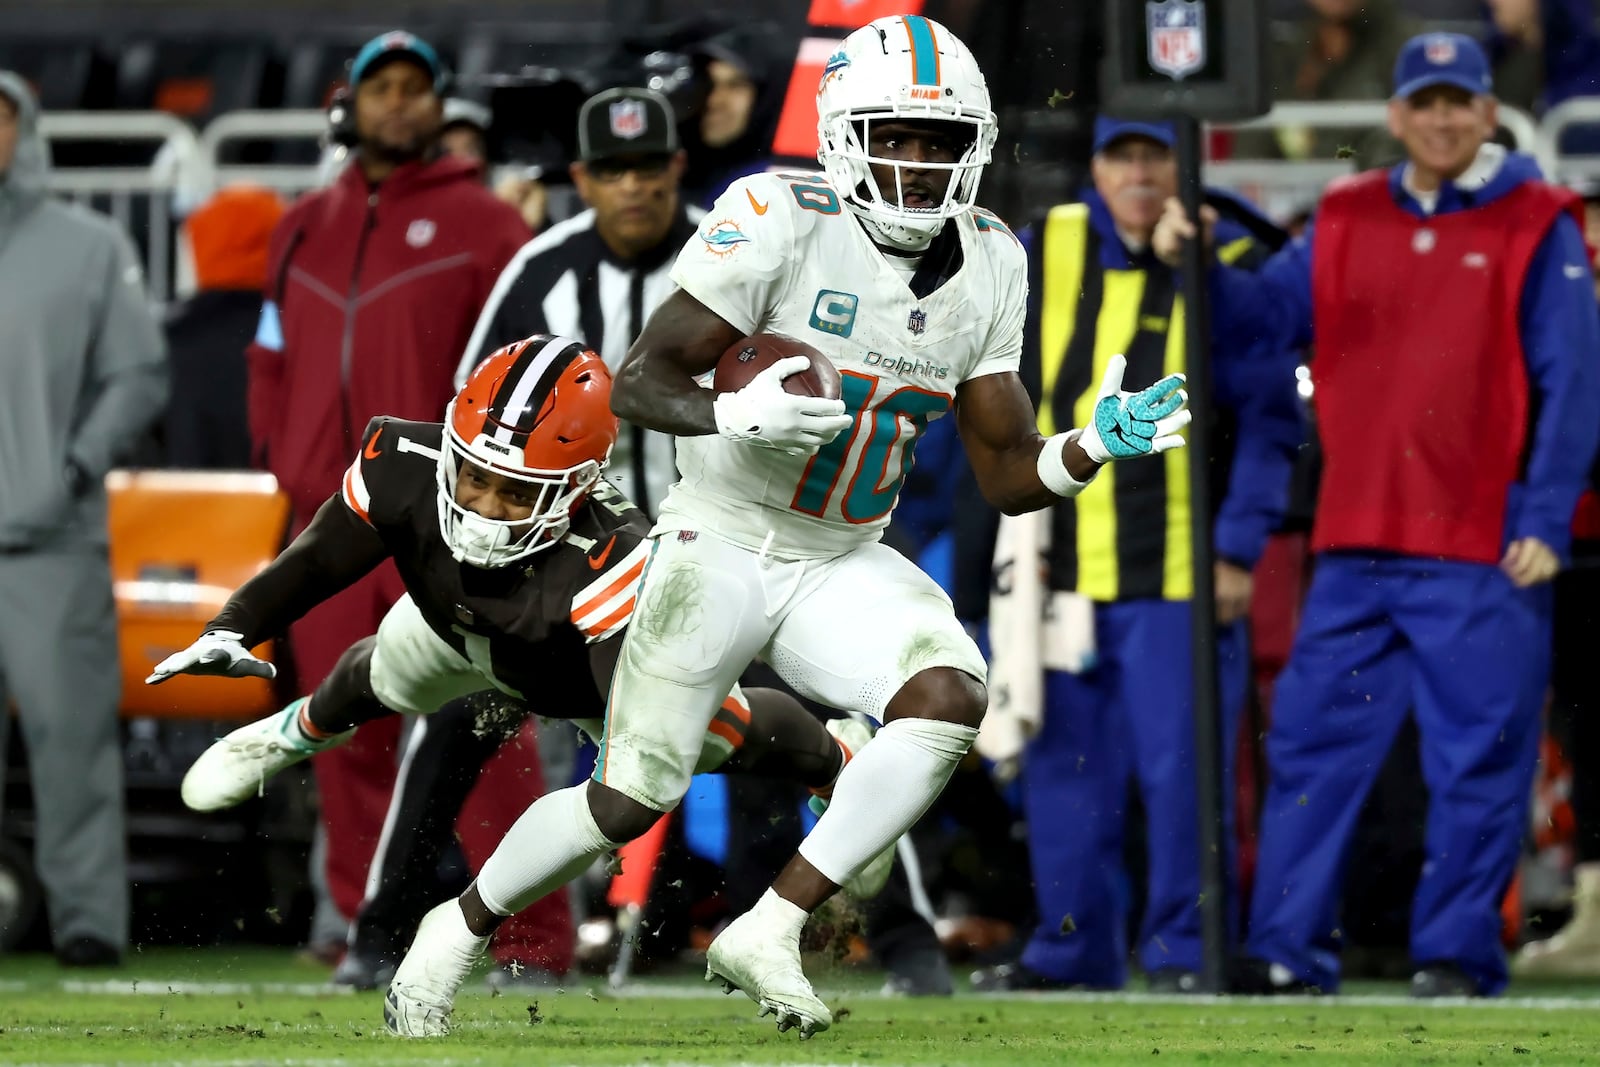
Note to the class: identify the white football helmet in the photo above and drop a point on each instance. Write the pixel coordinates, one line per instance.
(904, 68)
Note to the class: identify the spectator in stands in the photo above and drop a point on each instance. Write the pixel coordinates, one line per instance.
(1546, 52)
(373, 285)
(524, 190)
(465, 135)
(85, 374)
(1111, 598)
(465, 132)
(1342, 51)
(1459, 415)
(731, 136)
(207, 426)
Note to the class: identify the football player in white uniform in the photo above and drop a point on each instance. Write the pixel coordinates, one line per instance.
(769, 543)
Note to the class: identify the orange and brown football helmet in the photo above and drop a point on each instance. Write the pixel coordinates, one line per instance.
(537, 411)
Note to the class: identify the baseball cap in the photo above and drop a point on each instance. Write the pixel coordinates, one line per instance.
(626, 122)
(1108, 129)
(1431, 59)
(462, 112)
(396, 44)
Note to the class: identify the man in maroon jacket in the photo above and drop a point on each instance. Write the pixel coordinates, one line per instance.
(373, 287)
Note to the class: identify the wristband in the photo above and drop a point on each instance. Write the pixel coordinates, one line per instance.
(1053, 468)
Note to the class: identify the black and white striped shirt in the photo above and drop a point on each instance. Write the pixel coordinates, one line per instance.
(567, 281)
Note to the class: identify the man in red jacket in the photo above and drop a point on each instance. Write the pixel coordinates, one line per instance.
(373, 287)
(1458, 403)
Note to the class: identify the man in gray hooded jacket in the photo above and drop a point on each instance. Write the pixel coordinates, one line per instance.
(84, 373)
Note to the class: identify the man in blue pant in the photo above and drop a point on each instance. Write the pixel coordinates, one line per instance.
(1120, 562)
(1459, 403)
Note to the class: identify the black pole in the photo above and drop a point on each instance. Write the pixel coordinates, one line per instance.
(1208, 754)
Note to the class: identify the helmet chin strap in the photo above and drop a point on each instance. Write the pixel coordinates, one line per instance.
(896, 235)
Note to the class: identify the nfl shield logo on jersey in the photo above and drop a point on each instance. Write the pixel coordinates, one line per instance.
(627, 118)
(1177, 36)
(917, 321)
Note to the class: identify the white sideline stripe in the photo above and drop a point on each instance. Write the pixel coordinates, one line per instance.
(694, 991)
(705, 991)
(157, 987)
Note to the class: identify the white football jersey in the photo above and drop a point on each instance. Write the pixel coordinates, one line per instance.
(780, 254)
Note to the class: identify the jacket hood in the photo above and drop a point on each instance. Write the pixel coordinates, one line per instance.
(1495, 173)
(755, 51)
(23, 183)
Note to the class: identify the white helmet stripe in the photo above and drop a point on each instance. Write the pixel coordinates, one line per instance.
(528, 385)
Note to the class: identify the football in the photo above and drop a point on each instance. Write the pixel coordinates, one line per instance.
(748, 357)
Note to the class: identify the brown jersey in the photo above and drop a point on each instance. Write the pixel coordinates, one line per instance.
(531, 618)
(541, 627)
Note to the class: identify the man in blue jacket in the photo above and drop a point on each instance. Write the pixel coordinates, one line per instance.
(1121, 552)
(1459, 406)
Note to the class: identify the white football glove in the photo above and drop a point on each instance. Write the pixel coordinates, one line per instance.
(763, 414)
(1128, 425)
(217, 652)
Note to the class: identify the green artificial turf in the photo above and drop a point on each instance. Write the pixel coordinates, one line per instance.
(227, 1006)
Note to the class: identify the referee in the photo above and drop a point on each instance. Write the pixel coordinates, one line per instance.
(599, 275)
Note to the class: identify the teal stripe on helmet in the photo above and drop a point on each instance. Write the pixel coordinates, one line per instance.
(924, 53)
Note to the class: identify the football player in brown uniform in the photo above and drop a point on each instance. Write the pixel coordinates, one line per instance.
(521, 566)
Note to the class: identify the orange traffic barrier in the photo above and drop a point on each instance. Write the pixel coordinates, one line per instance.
(181, 543)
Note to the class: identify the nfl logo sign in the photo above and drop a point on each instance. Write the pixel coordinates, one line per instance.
(917, 321)
(1177, 36)
(627, 119)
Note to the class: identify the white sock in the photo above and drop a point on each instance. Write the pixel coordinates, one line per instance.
(552, 843)
(787, 914)
(883, 791)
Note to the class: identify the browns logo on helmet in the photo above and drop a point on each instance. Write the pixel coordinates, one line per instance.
(537, 413)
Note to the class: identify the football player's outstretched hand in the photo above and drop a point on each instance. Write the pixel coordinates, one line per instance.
(764, 414)
(217, 652)
(1128, 425)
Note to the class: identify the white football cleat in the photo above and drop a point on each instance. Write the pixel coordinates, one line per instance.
(870, 880)
(422, 993)
(237, 767)
(762, 959)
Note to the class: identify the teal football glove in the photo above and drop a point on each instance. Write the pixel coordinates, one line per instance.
(1129, 425)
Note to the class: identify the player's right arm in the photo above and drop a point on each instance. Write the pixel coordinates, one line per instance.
(339, 547)
(656, 387)
(730, 276)
(1269, 306)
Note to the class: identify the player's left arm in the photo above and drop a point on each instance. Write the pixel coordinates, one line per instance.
(727, 275)
(1009, 457)
(1560, 338)
(1017, 469)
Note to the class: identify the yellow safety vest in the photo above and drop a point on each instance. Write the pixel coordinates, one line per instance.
(1127, 535)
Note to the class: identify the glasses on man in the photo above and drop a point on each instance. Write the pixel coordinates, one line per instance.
(612, 170)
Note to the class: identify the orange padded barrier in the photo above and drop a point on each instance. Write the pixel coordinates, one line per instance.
(827, 23)
(181, 543)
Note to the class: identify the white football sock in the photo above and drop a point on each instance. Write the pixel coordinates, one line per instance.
(552, 843)
(883, 791)
(786, 916)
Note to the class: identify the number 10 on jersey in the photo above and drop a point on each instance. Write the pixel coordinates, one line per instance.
(891, 423)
